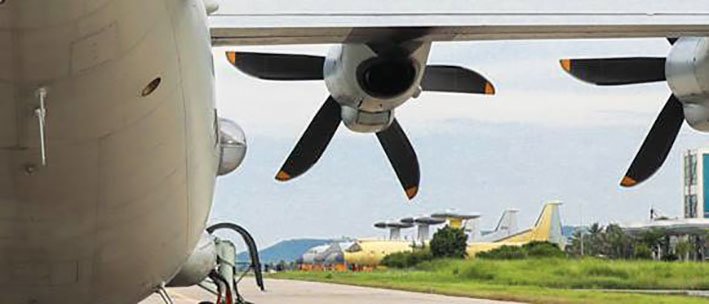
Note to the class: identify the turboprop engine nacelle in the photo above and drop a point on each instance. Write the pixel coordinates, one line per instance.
(232, 146)
(687, 71)
(370, 81)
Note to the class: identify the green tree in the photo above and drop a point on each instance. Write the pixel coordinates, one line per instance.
(618, 244)
(642, 252)
(594, 245)
(656, 240)
(449, 242)
(683, 249)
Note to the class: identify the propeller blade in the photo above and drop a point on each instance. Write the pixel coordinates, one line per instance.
(278, 66)
(313, 142)
(443, 78)
(402, 157)
(616, 71)
(657, 145)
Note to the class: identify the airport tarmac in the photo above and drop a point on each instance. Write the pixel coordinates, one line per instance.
(296, 292)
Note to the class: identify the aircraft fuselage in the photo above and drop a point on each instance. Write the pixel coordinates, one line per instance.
(130, 142)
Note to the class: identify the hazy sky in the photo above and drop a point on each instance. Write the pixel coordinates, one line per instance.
(544, 136)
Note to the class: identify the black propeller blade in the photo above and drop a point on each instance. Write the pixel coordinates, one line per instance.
(313, 142)
(442, 78)
(278, 66)
(621, 71)
(319, 133)
(616, 71)
(402, 157)
(657, 144)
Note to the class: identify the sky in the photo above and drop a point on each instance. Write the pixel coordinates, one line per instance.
(544, 136)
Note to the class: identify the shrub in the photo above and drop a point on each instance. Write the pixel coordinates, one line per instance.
(504, 253)
(407, 259)
(530, 250)
(449, 243)
(543, 250)
(642, 252)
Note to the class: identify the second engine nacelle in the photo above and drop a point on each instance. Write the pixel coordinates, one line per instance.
(370, 81)
(687, 72)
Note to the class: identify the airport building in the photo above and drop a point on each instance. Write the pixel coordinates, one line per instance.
(695, 198)
(695, 186)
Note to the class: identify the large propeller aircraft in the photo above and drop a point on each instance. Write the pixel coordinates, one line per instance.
(111, 143)
(366, 82)
(686, 71)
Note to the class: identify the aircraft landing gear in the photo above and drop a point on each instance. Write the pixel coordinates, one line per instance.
(224, 279)
(162, 292)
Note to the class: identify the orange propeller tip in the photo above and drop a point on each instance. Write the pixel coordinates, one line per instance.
(411, 192)
(489, 89)
(283, 176)
(231, 56)
(566, 64)
(628, 182)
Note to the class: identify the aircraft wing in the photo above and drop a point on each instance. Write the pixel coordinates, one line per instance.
(488, 20)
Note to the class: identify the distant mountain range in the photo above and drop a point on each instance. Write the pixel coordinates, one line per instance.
(287, 251)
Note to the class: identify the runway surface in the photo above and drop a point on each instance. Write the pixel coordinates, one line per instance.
(295, 292)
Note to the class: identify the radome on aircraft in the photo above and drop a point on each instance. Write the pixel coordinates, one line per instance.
(369, 252)
(112, 142)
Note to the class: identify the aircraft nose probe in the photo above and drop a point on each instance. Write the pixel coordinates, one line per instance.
(382, 79)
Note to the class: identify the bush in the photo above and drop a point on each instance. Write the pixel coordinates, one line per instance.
(530, 250)
(407, 259)
(642, 252)
(504, 253)
(449, 243)
(543, 250)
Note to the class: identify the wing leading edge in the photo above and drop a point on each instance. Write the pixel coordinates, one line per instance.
(270, 29)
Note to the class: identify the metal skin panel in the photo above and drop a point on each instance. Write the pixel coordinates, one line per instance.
(129, 181)
(687, 71)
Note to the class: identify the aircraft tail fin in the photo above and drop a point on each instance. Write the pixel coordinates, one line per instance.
(546, 229)
(508, 222)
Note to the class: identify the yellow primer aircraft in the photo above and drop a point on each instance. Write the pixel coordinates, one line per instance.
(546, 229)
(369, 253)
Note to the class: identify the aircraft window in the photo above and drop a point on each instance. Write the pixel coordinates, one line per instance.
(151, 87)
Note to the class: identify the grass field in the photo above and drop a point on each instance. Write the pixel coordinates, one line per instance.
(535, 281)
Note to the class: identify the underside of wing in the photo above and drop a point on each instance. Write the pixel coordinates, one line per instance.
(482, 24)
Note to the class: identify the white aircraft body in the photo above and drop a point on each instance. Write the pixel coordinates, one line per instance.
(111, 143)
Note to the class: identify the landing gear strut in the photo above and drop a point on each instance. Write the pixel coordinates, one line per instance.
(162, 292)
(224, 276)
